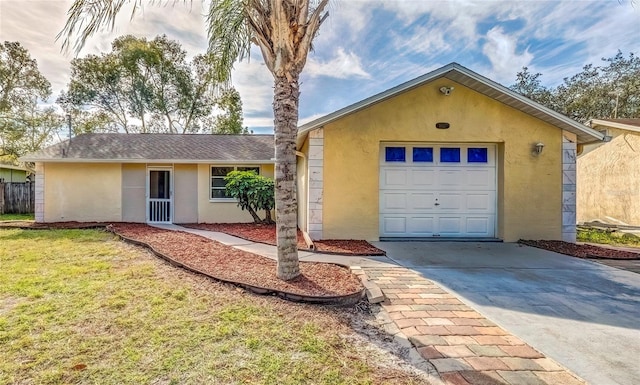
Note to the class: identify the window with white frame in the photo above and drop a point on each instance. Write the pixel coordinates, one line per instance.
(218, 184)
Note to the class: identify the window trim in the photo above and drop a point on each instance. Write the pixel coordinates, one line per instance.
(235, 168)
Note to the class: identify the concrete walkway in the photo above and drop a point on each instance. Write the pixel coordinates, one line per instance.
(269, 251)
(464, 346)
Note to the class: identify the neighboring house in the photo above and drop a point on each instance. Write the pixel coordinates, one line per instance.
(159, 178)
(12, 174)
(450, 154)
(609, 174)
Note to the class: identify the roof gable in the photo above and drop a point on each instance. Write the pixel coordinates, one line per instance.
(474, 81)
(623, 124)
(183, 148)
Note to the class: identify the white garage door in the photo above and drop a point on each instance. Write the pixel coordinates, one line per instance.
(437, 190)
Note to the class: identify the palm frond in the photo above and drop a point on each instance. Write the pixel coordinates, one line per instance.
(229, 35)
(85, 18)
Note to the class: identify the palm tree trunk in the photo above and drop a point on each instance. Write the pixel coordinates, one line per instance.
(285, 112)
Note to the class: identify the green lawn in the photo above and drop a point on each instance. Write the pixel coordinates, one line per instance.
(78, 306)
(16, 217)
(607, 237)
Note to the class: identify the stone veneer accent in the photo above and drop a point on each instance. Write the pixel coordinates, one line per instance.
(315, 159)
(568, 190)
(39, 192)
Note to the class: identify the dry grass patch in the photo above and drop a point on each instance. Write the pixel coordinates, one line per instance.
(78, 306)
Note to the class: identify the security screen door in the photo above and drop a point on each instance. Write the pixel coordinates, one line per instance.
(159, 196)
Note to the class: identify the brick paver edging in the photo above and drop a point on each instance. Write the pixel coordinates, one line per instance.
(464, 347)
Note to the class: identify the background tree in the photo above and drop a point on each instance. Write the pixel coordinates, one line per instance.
(24, 125)
(530, 85)
(230, 120)
(608, 91)
(283, 30)
(148, 86)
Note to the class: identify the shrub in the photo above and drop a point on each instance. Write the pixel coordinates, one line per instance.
(254, 193)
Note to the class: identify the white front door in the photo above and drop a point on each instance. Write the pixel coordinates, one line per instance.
(437, 190)
(159, 195)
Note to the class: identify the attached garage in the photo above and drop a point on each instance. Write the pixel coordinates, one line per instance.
(450, 154)
(437, 190)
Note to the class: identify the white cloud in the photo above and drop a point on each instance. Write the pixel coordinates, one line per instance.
(344, 65)
(500, 49)
(427, 40)
(254, 82)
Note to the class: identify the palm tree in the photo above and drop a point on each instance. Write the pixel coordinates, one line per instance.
(284, 31)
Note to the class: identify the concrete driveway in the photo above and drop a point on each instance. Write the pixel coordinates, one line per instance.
(584, 315)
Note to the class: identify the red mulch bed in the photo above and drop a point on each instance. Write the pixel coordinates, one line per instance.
(267, 234)
(230, 264)
(581, 251)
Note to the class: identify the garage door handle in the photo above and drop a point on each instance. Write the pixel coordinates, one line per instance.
(437, 204)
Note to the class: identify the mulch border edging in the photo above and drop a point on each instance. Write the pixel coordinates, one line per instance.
(587, 257)
(341, 300)
(382, 253)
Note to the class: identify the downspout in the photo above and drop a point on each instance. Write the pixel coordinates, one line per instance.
(305, 235)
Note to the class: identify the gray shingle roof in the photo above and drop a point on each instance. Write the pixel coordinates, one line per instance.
(190, 148)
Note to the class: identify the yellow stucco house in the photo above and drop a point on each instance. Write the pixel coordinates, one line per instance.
(450, 154)
(609, 174)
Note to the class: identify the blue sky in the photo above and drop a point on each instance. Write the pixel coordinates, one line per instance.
(368, 46)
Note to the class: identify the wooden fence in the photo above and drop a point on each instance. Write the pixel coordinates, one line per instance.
(17, 198)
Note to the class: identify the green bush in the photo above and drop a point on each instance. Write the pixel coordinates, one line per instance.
(254, 193)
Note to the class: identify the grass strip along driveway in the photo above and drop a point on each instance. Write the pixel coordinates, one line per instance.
(79, 306)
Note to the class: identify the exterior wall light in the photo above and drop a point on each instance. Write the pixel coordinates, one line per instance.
(446, 90)
(538, 148)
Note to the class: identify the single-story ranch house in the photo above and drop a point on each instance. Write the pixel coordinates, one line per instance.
(450, 154)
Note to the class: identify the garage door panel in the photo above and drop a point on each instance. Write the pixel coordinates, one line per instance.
(450, 201)
(481, 201)
(421, 225)
(449, 178)
(394, 225)
(421, 201)
(395, 178)
(394, 201)
(481, 178)
(479, 226)
(450, 225)
(423, 178)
